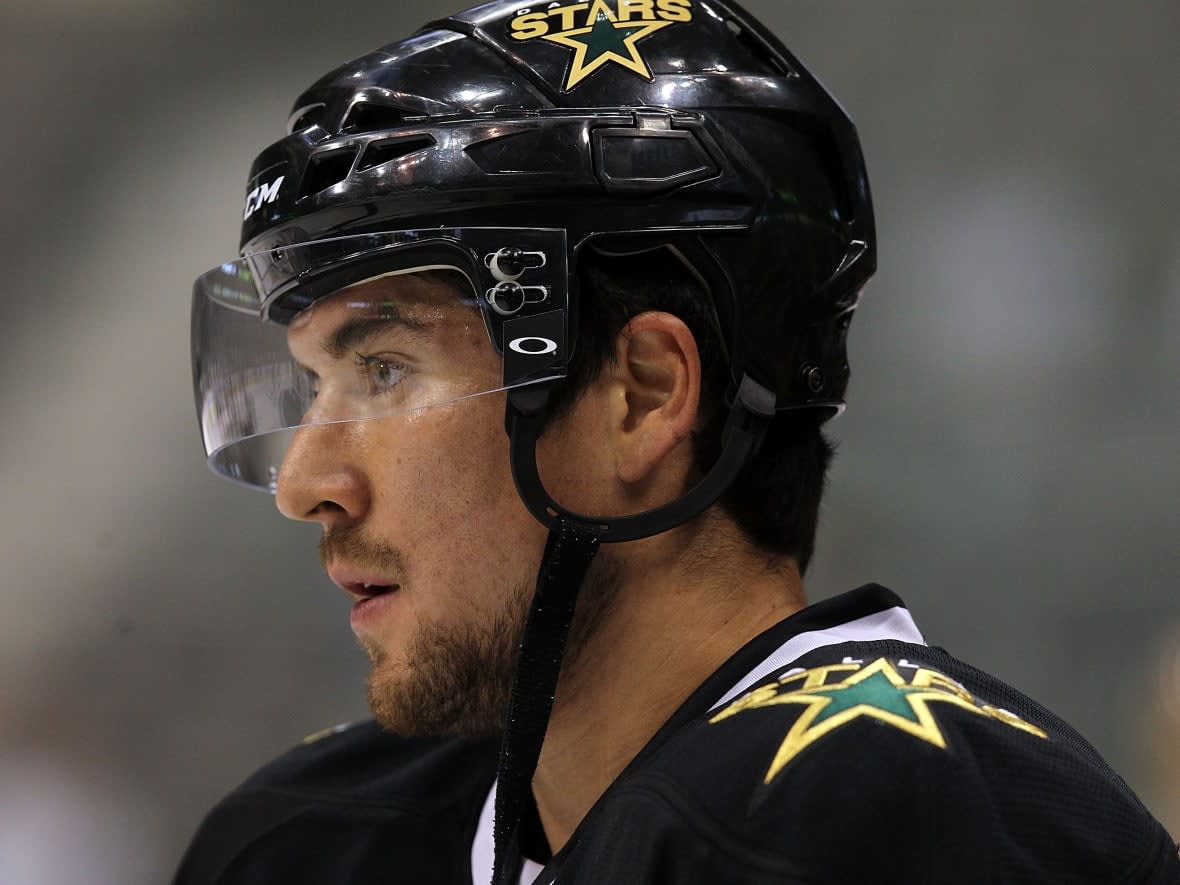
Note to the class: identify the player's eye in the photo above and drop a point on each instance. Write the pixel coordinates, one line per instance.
(381, 373)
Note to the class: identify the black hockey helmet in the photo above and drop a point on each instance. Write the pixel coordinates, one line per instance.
(506, 140)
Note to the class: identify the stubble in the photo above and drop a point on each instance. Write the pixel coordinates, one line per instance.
(455, 678)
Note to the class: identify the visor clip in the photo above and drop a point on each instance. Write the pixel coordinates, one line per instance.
(509, 264)
(509, 298)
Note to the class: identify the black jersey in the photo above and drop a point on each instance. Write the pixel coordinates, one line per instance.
(836, 747)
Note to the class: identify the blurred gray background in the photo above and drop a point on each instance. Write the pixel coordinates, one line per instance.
(1010, 462)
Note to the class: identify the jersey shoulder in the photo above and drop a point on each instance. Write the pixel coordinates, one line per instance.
(361, 762)
(905, 755)
(352, 804)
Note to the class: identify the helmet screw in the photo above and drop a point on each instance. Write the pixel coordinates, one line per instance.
(506, 298)
(814, 378)
(508, 264)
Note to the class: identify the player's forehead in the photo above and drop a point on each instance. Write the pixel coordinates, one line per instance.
(416, 308)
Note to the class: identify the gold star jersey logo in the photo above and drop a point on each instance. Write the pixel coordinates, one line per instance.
(601, 32)
(838, 694)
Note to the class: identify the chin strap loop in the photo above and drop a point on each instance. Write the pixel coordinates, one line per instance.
(568, 555)
(751, 409)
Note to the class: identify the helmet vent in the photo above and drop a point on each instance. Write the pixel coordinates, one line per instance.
(379, 152)
(326, 170)
(305, 116)
(757, 47)
(367, 116)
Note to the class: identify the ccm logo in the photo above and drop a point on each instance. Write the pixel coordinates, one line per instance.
(532, 346)
(264, 193)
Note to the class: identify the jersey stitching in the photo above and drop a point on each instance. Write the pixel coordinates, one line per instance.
(1153, 861)
(336, 799)
(248, 846)
(753, 857)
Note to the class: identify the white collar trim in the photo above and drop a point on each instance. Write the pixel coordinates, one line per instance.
(483, 848)
(893, 623)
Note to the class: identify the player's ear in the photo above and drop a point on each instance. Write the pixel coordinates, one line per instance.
(656, 392)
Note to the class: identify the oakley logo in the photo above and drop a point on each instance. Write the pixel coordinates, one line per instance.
(533, 346)
(264, 193)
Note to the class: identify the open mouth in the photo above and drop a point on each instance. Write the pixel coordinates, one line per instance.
(353, 582)
(371, 605)
(369, 591)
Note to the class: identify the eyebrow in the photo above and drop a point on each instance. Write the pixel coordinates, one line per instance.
(348, 335)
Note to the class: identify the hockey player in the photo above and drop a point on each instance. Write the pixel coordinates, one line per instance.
(632, 234)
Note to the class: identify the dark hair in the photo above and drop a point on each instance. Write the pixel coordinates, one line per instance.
(775, 499)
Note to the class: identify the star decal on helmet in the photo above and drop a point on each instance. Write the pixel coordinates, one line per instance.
(600, 33)
(878, 692)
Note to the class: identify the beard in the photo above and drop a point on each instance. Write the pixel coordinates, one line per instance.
(455, 678)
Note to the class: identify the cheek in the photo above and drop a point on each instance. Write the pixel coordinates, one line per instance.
(440, 460)
(443, 493)
(574, 460)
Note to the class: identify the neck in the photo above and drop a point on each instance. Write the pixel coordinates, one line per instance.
(675, 618)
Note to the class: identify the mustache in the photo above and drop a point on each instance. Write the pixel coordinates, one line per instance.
(349, 545)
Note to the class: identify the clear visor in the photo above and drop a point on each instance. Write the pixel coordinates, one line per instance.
(362, 329)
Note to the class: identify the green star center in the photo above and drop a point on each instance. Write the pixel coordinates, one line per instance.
(606, 37)
(876, 691)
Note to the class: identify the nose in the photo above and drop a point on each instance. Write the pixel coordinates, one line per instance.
(318, 483)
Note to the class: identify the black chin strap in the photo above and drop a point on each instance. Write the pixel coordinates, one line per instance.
(567, 557)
